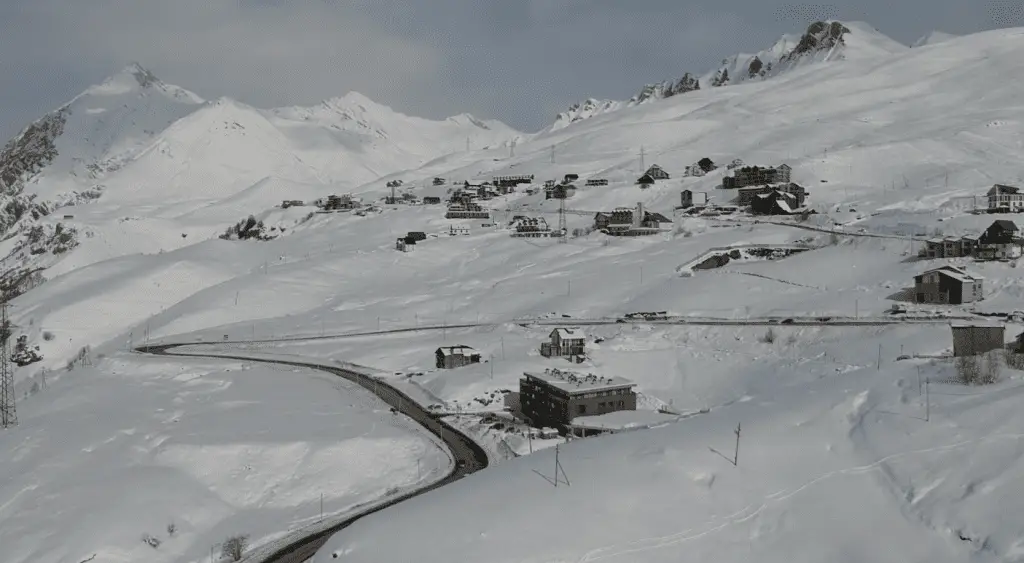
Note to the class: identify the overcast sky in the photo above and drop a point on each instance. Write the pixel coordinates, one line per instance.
(520, 61)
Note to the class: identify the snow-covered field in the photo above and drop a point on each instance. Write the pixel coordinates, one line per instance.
(834, 459)
(133, 444)
(844, 468)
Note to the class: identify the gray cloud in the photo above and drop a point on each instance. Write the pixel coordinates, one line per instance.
(520, 61)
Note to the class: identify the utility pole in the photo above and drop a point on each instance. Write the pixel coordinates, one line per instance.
(927, 401)
(8, 408)
(236, 299)
(879, 365)
(562, 228)
(321, 507)
(503, 348)
(736, 456)
(642, 159)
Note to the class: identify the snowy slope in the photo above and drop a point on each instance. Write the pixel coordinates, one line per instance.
(161, 169)
(932, 38)
(106, 454)
(883, 143)
(841, 469)
(821, 42)
(68, 152)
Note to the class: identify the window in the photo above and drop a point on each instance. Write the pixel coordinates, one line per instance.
(600, 405)
(622, 404)
(581, 409)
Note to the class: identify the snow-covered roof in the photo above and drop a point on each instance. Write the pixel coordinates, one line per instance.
(456, 350)
(978, 324)
(784, 205)
(572, 382)
(569, 333)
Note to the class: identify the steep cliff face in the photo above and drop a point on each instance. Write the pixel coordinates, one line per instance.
(20, 160)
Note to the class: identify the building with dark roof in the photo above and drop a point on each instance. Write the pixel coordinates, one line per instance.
(948, 285)
(451, 357)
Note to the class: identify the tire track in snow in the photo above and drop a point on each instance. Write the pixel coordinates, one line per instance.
(739, 517)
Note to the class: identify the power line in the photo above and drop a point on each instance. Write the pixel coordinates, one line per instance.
(8, 409)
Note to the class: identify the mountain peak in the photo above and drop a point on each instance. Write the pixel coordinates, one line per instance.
(821, 41)
(141, 74)
(932, 38)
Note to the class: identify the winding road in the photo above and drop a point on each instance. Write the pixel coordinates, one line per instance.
(468, 456)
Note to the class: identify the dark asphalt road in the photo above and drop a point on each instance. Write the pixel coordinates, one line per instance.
(672, 321)
(469, 456)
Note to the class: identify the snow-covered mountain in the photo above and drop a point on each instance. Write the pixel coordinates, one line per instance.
(135, 142)
(932, 38)
(823, 41)
(61, 158)
(839, 459)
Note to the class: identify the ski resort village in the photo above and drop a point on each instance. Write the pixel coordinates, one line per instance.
(770, 312)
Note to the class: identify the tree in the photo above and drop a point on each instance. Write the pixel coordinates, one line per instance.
(234, 547)
(968, 369)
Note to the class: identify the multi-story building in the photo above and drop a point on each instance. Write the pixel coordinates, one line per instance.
(757, 175)
(556, 397)
(1005, 198)
(948, 285)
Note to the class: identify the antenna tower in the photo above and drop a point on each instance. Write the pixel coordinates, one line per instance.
(8, 412)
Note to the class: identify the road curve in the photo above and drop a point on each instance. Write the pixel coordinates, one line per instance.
(469, 457)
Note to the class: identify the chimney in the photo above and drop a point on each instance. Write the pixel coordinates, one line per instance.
(638, 216)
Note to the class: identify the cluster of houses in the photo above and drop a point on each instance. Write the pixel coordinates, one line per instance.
(626, 221)
(332, 202)
(700, 168)
(408, 242)
(463, 205)
(1000, 241)
(562, 190)
(555, 397)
